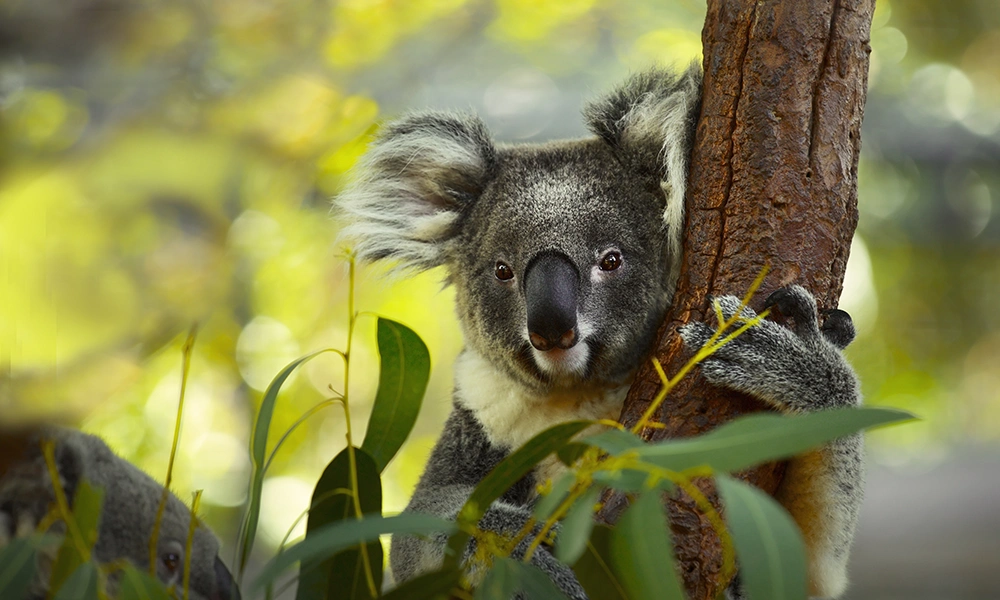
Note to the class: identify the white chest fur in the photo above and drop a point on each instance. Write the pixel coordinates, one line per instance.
(512, 415)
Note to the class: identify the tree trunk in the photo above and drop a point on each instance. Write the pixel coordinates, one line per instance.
(773, 182)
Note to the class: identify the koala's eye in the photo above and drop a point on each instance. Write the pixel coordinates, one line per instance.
(503, 271)
(611, 261)
(172, 561)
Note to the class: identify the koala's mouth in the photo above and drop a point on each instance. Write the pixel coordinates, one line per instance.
(558, 364)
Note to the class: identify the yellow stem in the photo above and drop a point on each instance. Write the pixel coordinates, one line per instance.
(352, 461)
(185, 369)
(192, 526)
(49, 451)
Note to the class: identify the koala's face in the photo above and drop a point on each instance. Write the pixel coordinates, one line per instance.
(561, 266)
(563, 255)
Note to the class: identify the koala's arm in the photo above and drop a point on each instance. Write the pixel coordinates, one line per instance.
(462, 457)
(794, 371)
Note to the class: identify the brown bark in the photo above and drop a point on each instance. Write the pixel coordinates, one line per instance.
(773, 182)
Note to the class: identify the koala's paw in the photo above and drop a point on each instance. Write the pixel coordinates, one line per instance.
(838, 327)
(796, 302)
(791, 370)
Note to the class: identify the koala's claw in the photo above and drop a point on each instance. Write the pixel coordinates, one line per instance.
(838, 327)
(796, 302)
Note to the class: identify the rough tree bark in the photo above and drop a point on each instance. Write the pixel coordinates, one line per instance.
(773, 182)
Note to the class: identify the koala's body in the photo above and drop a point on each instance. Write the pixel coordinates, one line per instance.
(131, 500)
(564, 257)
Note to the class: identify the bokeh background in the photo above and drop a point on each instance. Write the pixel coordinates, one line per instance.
(170, 162)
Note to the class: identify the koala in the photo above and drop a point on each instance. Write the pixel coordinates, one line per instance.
(131, 500)
(564, 257)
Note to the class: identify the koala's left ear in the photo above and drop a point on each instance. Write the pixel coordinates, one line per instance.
(649, 122)
(417, 178)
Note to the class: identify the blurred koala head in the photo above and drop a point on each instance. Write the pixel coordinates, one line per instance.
(131, 501)
(563, 255)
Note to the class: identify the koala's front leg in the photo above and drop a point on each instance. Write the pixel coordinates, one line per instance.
(801, 370)
(411, 555)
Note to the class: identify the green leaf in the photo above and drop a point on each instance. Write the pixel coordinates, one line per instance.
(342, 576)
(769, 547)
(81, 584)
(87, 504)
(509, 576)
(516, 465)
(576, 527)
(500, 582)
(403, 375)
(17, 567)
(764, 437)
(335, 537)
(535, 584)
(594, 571)
(258, 455)
(429, 586)
(571, 452)
(630, 481)
(551, 501)
(642, 554)
(140, 585)
(615, 441)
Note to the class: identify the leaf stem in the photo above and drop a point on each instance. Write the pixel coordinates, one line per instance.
(351, 458)
(186, 352)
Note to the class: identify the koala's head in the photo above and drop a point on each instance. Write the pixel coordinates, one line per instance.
(131, 501)
(563, 255)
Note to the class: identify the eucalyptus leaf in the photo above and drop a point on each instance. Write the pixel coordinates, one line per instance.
(140, 585)
(87, 503)
(17, 567)
(509, 471)
(429, 586)
(258, 456)
(82, 584)
(615, 441)
(342, 576)
(576, 527)
(548, 503)
(535, 584)
(642, 554)
(630, 481)
(769, 547)
(594, 569)
(500, 582)
(509, 576)
(405, 367)
(764, 437)
(333, 538)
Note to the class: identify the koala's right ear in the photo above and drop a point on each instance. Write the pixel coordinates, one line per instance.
(419, 175)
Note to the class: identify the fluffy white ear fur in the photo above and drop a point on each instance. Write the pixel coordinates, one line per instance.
(650, 120)
(412, 184)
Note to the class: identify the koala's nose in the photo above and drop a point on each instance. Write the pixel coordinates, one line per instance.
(551, 291)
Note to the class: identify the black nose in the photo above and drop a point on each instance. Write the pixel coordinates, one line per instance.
(225, 587)
(551, 291)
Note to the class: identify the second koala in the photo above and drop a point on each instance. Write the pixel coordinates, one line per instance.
(564, 257)
(131, 502)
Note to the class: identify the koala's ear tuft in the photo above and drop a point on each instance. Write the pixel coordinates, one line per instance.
(416, 179)
(649, 122)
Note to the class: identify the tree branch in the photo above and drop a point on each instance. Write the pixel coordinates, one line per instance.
(773, 182)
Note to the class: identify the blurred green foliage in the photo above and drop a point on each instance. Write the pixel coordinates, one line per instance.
(166, 162)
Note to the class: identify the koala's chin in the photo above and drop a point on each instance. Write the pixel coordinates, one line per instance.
(564, 366)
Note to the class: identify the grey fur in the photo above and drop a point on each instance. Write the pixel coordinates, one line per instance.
(131, 499)
(801, 371)
(435, 190)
